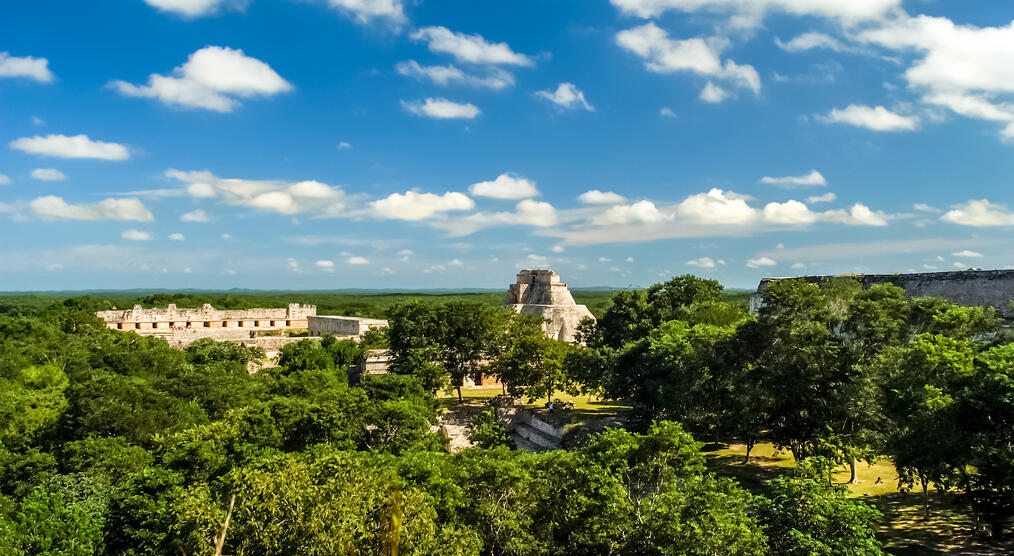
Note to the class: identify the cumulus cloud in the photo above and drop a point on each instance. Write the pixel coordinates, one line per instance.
(55, 207)
(495, 78)
(5, 179)
(876, 118)
(568, 96)
(212, 78)
(303, 197)
(192, 8)
(858, 215)
(809, 41)
(713, 94)
(596, 197)
(716, 207)
(813, 178)
(28, 67)
(761, 262)
(527, 213)
(825, 198)
(968, 254)
(414, 206)
(703, 262)
(750, 13)
(135, 235)
(923, 207)
(789, 212)
(643, 212)
(472, 49)
(48, 174)
(325, 265)
(666, 112)
(441, 109)
(177, 237)
(195, 216)
(980, 214)
(357, 260)
(365, 11)
(696, 55)
(77, 146)
(505, 186)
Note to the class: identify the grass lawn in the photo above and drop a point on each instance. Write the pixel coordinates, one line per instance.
(587, 411)
(903, 528)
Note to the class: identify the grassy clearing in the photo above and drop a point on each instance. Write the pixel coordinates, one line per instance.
(903, 528)
(588, 410)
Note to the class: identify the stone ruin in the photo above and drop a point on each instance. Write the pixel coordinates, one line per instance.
(540, 293)
(973, 288)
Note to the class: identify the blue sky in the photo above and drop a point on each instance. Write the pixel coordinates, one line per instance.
(395, 144)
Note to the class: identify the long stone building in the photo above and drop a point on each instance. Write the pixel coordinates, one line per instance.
(977, 288)
(183, 326)
(540, 292)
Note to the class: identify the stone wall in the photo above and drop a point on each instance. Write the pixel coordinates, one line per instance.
(342, 326)
(976, 288)
(540, 293)
(183, 326)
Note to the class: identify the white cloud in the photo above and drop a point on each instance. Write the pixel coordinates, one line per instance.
(326, 266)
(761, 262)
(357, 260)
(365, 11)
(5, 179)
(52, 206)
(703, 262)
(527, 212)
(630, 259)
(48, 174)
(27, 66)
(813, 178)
(211, 78)
(568, 96)
(713, 93)
(596, 197)
(858, 215)
(750, 13)
(283, 197)
(980, 214)
(177, 237)
(558, 249)
(413, 206)
(495, 78)
(441, 109)
(825, 198)
(716, 207)
(641, 212)
(667, 112)
(473, 49)
(344, 145)
(971, 106)
(456, 262)
(505, 186)
(696, 55)
(968, 254)
(405, 254)
(605, 260)
(190, 8)
(789, 212)
(876, 118)
(77, 146)
(923, 207)
(135, 235)
(808, 41)
(196, 216)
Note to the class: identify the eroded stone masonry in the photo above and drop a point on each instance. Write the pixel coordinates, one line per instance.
(540, 292)
(977, 288)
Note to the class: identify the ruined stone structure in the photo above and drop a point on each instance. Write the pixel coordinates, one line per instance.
(182, 327)
(342, 326)
(540, 293)
(977, 288)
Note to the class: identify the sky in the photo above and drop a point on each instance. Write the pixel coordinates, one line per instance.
(328, 144)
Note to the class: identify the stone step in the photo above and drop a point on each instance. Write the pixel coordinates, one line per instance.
(525, 445)
(536, 436)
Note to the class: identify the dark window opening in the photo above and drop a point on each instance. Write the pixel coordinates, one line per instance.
(137, 326)
(207, 324)
(119, 326)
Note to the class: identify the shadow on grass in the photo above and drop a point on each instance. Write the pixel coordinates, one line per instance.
(949, 529)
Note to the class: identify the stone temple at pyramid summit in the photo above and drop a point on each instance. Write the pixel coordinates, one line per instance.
(540, 292)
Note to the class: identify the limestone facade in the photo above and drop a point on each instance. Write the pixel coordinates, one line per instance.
(539, 292)
(342, 326)
(183, 326)
(976, 288)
